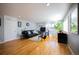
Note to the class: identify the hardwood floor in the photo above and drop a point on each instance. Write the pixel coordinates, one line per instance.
(49, 46)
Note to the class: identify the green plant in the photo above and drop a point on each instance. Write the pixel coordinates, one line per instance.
(73, 28)
(58, 26)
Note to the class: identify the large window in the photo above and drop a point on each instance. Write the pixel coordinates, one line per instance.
(74, 24)
(65, 25)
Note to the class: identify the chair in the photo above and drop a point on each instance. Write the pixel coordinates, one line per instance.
(42, 33)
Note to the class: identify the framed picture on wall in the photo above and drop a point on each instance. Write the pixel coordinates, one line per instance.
(0, 21)
(19, 23)
(27, 24)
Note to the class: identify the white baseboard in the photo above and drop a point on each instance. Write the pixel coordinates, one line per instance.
(1, 42)
(8, 40)
(71, 50)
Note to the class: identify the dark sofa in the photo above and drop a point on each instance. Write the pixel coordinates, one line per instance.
(29, 33)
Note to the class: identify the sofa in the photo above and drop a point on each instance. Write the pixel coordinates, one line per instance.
(29, 33)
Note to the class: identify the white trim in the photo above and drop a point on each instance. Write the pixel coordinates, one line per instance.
(1, 42)
(71, 50)
(8, 40)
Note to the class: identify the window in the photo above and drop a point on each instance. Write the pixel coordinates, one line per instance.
(65, 25)
(74, 24)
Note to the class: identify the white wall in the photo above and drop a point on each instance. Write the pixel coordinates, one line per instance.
(32, 26)
(10, 28)
(2, 29)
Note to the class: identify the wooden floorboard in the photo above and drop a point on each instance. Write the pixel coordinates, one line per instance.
(49, 46)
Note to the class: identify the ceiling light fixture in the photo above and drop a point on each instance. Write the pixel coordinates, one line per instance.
(48, 4)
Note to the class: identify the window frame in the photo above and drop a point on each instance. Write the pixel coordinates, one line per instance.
(71, 21)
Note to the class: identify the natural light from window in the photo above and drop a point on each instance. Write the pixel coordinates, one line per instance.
(65, 25)
(56, 17)
(74, 21)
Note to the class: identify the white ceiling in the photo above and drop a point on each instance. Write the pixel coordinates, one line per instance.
(37, 12)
